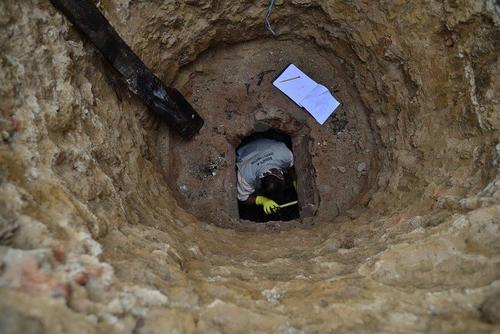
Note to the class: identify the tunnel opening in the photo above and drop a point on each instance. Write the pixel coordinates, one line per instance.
(109, 223)
(286, 196)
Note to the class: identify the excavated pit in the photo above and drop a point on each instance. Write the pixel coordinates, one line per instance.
(231, 87)
(109, 223)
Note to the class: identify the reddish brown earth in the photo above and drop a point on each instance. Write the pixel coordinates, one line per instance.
(97, 235)
(231, 88)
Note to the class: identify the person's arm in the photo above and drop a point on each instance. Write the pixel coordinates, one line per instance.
(250, 200)
(246, 193)
(268, 204)
(291, 172)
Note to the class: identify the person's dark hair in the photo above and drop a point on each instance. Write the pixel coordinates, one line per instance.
(271, 185)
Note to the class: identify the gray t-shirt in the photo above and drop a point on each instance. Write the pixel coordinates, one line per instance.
(256, 158)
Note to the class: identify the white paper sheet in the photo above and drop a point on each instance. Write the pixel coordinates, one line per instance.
(294, 83)
(304, 91)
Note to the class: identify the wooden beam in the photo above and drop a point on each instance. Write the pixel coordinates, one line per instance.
(167, 103)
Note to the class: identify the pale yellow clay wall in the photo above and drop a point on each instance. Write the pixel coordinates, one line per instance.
(102, 246)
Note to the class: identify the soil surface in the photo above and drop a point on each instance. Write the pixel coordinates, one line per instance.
(231, 87)
(97, 232)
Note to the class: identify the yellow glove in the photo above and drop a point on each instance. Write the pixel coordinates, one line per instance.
(268, 204)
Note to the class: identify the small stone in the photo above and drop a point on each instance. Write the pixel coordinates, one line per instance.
(82, 278)
(330, 245)
(470, 203)
(361, 168)
(58, 252)
(274, 295)
(5, 135)
(341, 169)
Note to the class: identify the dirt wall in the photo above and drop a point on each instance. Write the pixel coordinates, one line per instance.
(92, 238)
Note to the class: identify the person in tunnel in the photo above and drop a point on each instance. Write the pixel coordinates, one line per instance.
(264, 171)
